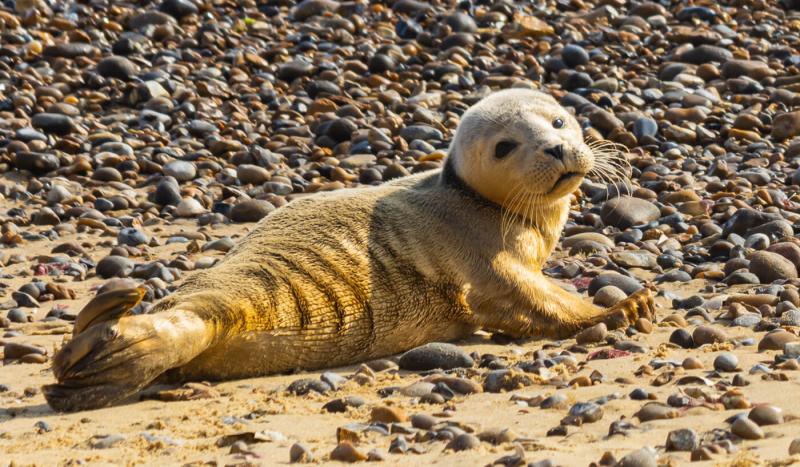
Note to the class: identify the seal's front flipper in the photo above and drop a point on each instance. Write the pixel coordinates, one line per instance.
(625, 313)
(112, 360)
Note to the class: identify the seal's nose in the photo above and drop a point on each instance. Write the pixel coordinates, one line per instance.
(556, 151)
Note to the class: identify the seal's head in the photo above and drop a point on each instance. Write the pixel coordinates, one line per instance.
(520, 140)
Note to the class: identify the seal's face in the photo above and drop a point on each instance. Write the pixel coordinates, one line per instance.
(520, 141)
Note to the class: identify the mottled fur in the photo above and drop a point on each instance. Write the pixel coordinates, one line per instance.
(347, 276)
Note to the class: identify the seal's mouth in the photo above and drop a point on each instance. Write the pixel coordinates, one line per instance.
(566, 176)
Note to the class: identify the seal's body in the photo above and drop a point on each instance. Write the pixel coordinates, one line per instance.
(351, 275)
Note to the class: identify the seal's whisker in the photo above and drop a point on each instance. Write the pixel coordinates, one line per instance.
(613, 172)
(509, 211)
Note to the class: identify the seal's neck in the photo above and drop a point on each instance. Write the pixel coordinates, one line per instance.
(528, 229)
(449, 178)
(531, 231)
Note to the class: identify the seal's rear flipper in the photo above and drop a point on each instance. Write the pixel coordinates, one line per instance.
(112, 360)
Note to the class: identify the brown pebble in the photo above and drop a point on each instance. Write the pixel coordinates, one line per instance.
(702, 454)
(766, 415)
(497, 436)
(300, 453)
(656, 411)
(776, 340)
(708, 335)
(607, 459)
(676, 320)
(386, 414)
(794, 447)
(747, 429)
(596, 333)
(791, 365)
(423, 421)
(581, 381)
(346, 452)
(692, 363)
(34, 358)
(644, 325)
(375, 455)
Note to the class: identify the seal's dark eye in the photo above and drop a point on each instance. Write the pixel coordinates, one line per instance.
(558, 123)
(504, 148)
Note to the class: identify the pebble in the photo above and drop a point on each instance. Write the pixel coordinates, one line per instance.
(727, 362)
(36, 162)
(596, 333)
(692, 363)
(682, 338)
(51, 123)
(117, 67)
(18, 315)
(388, 415)
(794, 447)
(342, 404)
(14, 350)
(766, 415)
(132, 237)
(250, 173)
(463, 442)
(300, 453)
(106, 441)
(684, 439)
(346, 452)
(175, 118)
(574, 55)
(423, 421)
(656, 411)
(626, 211)
(556, 401)
(181, 171)
(303, 386)
(586, 412)
(252, 210)
(708, 335)
(776, 340)
(769, 267)
(746, 429)
(644, 457)
(114, 266)
(608, 296)
(189, 207)
(628, 285)
(435, 355)
(167, 192)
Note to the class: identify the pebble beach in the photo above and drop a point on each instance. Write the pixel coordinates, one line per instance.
(140, 140)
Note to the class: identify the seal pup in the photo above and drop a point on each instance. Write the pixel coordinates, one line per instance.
(351, 275)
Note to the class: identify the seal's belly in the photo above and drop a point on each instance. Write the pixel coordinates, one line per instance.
(317, 329)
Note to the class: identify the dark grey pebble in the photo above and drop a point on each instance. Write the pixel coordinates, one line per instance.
(682, 338)
(303, 386)
(435, 355)
(341, 404)
(463, 442)
(114, 266)
(684, 439)
(627, 284)
(252, 210)
(131, 237)
(52, 123)
(117, 67)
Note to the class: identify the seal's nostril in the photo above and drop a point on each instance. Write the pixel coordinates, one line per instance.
(556, 151)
